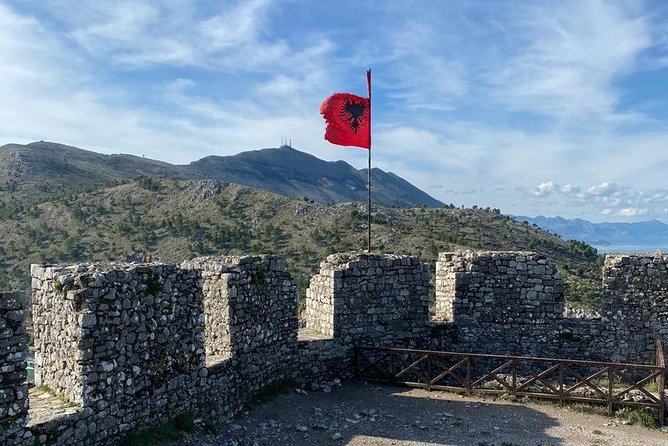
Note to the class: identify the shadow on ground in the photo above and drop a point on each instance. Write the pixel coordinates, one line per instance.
(367, 414)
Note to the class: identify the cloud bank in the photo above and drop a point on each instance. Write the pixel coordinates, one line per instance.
(476, 103)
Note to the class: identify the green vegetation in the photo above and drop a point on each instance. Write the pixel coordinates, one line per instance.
(270, 392)
(642, 417)
(583, 284)
(175, 220)
(58, 287)
(167, 432)
(44, 388)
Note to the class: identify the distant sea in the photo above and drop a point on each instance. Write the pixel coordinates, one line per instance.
(624, 249)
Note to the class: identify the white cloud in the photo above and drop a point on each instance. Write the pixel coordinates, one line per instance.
(608, 198)
(568, 55)
(495, 99)
(631, 212)
(544, 189)
(602, 189)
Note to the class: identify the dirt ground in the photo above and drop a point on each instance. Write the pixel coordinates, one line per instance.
(358, 413)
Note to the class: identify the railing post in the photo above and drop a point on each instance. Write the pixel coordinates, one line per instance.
(660, 380)
(561, 384)
(392, 364)
(469, 373)
(611, 378)
(514, 372)
(428, 371)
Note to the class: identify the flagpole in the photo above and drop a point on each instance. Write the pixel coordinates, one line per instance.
(368, 86)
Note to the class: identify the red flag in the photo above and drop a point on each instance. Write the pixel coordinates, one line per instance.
(348, 119)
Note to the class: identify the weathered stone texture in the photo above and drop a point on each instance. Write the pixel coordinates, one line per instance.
(512, 287)
(512, 303)
(126, 341)
(13, 386)
(57, 325)
(322, 360)
(361, 299)
(370, 298)
(319, 309)
(258, 300)
(635, 305)
(135, 345)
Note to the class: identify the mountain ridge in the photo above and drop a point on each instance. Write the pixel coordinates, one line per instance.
(40, 169)
(643, 233)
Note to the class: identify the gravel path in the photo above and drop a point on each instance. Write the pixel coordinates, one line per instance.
(367, 414)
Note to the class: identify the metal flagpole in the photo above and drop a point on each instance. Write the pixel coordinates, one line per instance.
(368, 86)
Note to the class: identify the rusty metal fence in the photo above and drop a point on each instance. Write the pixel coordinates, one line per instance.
(609, 383)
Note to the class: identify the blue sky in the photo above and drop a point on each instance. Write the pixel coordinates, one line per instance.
(534, 107)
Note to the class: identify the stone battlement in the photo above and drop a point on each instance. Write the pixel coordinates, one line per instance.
(512, 303)
(133, 345)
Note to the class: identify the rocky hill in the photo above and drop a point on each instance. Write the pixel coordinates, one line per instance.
(173, 220)
(40, 170)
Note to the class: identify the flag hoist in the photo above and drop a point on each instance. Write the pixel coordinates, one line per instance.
(348, 119)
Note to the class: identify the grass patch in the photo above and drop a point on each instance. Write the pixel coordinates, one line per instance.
(641, 417)
(588, 408)
(58, 287)
(169, 431)
(270, 392)
(44, 388)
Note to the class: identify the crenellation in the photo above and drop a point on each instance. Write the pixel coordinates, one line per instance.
(370, 298)
(504, 302)
(131, 345)
(497, 286)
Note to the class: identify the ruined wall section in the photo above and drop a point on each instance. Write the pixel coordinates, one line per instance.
(361, 299)
(512, 303)
(129, 343)
(215, 291)
(250, 305)
(138, 331)
(258, 299)
(319, 308)
(58, 325)
(507, 303)
(489, 287)
(635, 305)
(13, 386)
(375, 298)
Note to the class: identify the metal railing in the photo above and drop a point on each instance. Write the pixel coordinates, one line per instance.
(609, 383)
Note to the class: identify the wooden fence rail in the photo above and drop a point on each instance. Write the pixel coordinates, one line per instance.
(609, 383)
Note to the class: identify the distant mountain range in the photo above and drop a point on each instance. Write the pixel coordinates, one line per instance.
(39, 169)
(652, 233)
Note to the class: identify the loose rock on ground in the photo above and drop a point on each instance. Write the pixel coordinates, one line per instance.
(365, 414)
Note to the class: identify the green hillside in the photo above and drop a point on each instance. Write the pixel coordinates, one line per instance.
(175, 220)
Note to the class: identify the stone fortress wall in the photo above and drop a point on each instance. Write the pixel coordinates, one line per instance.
(13, 385)
(135, 345)
(512, 303)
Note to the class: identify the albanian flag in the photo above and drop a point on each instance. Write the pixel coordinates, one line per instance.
(348, 119)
